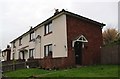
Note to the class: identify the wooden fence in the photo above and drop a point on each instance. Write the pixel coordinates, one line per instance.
(110, 54)
(18, 64)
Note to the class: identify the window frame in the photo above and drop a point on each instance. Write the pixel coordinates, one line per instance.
(14, 44)
(20, 41)
(31, 36)
(47, 53)
(31, 53)
(48, 28)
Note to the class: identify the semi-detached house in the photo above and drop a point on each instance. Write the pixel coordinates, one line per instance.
(64, 40)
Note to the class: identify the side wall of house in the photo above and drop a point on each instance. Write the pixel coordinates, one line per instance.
(59, 37)
(16, 49)
(93, 33)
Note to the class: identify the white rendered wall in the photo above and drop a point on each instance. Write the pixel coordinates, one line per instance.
(58, 39)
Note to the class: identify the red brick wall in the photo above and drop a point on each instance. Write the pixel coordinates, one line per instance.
(54, 63)
(93, 33)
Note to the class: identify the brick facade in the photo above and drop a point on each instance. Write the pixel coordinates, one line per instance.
(53, 63)
(92, 32)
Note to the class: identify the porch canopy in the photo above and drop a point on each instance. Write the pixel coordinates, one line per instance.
(80, 38)
(23, 49)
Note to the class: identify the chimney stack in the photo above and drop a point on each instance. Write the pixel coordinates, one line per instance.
(8, 46)
(31, 27)
(56, 11)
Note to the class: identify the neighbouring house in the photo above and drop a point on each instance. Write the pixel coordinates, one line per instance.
(6, 54)
(0, 55)
(63, 40)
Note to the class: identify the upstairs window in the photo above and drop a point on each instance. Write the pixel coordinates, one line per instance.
(48, 50)
(48, 28)
(14, 44)
(20, 43)
(32, 36)
(31, 53)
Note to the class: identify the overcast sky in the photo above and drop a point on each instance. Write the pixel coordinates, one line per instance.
(16, 16)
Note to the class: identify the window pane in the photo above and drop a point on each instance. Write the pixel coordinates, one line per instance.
(50, 48)
(32, 35)
(13, 44)
(50, 27)
(46, 51)
(46, 29)
(31, 52)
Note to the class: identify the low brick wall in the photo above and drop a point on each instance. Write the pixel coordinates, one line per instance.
(110, 54)
(54, 63)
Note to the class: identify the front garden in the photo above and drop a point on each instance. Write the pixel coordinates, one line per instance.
(85, 71)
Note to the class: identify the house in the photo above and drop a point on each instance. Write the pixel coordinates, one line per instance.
(63, 40)
(1, 55)
(5, 54)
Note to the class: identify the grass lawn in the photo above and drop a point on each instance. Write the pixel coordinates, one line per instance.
(26, 72)
(88, 71)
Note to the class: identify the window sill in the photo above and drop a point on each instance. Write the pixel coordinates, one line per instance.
(30, 58)
(47, 33)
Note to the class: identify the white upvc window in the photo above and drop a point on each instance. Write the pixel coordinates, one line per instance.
(20, 41)
(48, 28)
(31, 53)
(32, 36)
(14, 44)
(47, 50)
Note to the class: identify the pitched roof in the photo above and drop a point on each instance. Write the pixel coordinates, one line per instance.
(7, 49)
(59, 14)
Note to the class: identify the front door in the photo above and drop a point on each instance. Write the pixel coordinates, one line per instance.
(78, 52)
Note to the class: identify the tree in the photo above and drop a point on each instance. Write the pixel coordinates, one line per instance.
(111, 36)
